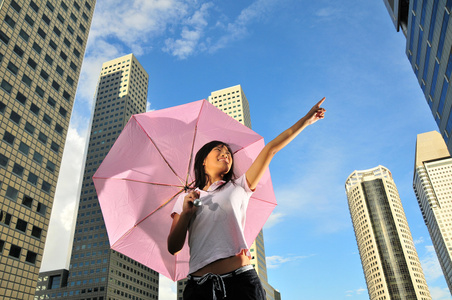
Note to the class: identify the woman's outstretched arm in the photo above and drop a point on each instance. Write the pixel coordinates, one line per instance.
(257, 169)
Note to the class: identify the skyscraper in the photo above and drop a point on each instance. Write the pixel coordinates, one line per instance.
(96, 271)
(389, 259)
(428, 47)
(432, 183)
(42, 44)
(233, 102)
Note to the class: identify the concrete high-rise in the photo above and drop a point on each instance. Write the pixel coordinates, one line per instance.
(432, 184)
(42, 45)
(389, 259)
(232, 101)
(96, 271)
(428, 47)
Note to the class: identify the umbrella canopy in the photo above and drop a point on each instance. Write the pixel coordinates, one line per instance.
(151, 163)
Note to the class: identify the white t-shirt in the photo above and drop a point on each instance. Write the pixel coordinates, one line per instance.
(216, 230)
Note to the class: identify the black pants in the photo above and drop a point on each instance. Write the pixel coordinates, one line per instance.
(244, 286)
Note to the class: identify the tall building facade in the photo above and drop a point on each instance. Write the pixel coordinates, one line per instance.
(429, 42)
(389, 259)
(96, 272)
(42, 45)
(432, 184)
(232, 101)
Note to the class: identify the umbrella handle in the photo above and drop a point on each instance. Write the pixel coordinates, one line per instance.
(197, 202)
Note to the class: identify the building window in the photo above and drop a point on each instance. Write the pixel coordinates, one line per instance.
(12, 68)
(42, 138)
(18, 170)
(50, 166)
(34, 109)
(59, 70)
(24, 35)
(42, 33)
(32, 178)
(36, 232)
(27, 201)
(49, 60)
(34, 6)
(3, 161)
(46, 19)
(53, 45)
(37, 157)
(63, 112)
(4, 38)
(11, 193)
(16, 6)
(58, 128)
(24, 148)
(32, 63)
(31, 257)
(29, 128)
(45, 186)
(29, 20)
(57, 31)
(55, 147)
(41, 208)
(6, 86)
(10, 21)
(51, 102)
(9, 138)
(21, 225)
(26, 80)
(37, 48)
(18, 51)
(14, 117)
(14, 251)
(56, 86)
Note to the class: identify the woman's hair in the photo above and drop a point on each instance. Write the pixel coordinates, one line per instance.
(201, 177)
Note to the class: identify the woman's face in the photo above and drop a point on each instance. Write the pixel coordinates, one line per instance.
(218, 161)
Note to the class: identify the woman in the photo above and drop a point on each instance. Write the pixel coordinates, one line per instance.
(219, 256)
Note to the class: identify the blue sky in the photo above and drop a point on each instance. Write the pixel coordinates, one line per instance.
(287, 55)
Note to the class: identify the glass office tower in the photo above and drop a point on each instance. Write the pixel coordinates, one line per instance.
(42, 44)
(429, 42)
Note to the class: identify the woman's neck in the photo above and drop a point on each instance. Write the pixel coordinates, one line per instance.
(211, 180)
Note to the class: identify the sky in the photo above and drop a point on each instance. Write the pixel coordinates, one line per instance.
(286, 55)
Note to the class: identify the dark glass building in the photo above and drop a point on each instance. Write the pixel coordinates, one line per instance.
(429, 40)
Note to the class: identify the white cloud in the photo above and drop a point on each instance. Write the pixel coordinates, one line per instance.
(327, 12)
(438, 293)
(238, 29)
(430, 264)
(274, 219)
(276, 261)
(352, 293)
(167, 288)
(420, 240)
(59, 235)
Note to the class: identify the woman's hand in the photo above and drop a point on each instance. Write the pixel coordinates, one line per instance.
(316, 113)
(179, 227)
(261, 163)
(189, 208)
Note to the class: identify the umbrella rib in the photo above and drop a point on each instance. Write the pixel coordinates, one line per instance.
(193, 144)
(160, 152)
(139, 181)
(243, 147)
(142, 220)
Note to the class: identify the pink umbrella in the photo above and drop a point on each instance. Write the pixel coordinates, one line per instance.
(151, 163)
